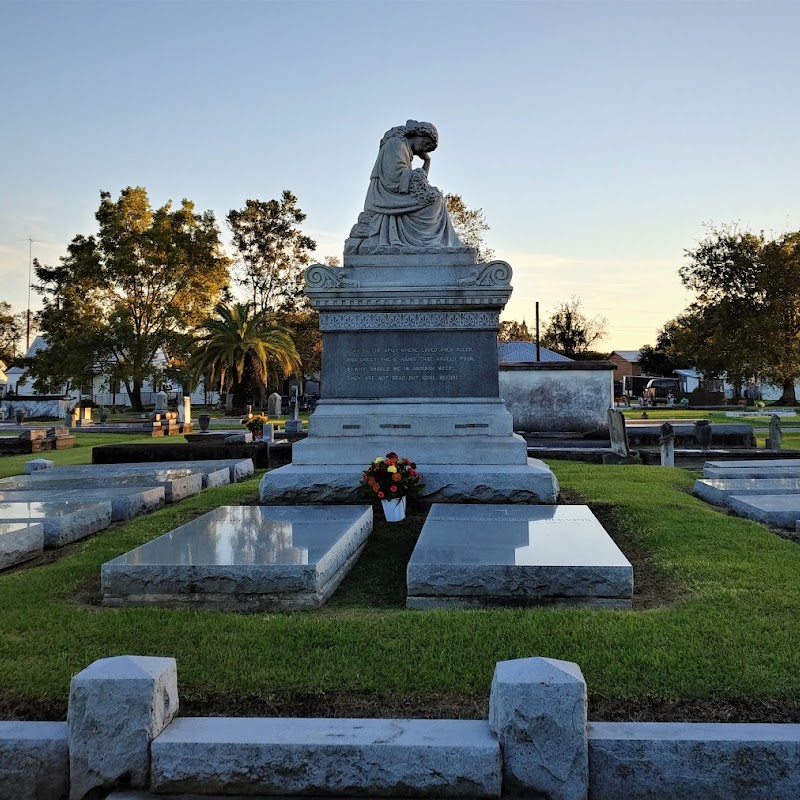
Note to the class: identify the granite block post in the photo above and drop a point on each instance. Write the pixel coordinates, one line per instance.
(117, 706)
(537, 710)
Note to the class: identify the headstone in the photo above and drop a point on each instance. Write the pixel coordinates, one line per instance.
(537, 710)
(185, 410)
(246, 437)
(667, 444)
(161, 402)
(618, 434)
(274, 406)
(775, 433)
(670, 399)
(117, 706)
(228, 401)
(33, 435)
(703, 433)
(37, 464)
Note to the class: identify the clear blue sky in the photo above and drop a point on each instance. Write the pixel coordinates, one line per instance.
(597, 137)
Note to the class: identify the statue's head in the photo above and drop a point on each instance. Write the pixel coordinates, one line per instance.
(423, 130)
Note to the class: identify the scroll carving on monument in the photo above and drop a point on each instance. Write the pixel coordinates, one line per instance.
(319, 276)
(495, 273)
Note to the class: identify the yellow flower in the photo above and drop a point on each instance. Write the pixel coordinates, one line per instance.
(391, 469)
(378, 460)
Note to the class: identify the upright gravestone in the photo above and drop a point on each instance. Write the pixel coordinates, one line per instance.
(409, 352)
(618, 434)
(274, 406)
(775, 433)
(703, 433)
(667, 443)
(185, 410)
(161, 402)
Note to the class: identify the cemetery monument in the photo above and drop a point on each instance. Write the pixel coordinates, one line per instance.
(409, 327)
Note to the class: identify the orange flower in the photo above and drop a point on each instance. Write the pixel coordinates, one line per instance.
(397, 477)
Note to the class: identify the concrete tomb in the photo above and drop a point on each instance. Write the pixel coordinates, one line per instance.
(20, 541)
(63, 521)
(409, 327)
(243, 558)
(773, 468)
(482, 555)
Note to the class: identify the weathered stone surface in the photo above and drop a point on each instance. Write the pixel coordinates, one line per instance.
(537, 709)
(243, 557)
(365, 757)
(501, 483)
(37, 464)
(239, 438)
(63, 521)
(34, 760)
(782, 511)
(677, 761)
(19, 541)
(717, 490)
(117, 706)
(618, 433)
(473, 555)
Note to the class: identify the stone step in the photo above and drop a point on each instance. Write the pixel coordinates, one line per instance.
(325, 757)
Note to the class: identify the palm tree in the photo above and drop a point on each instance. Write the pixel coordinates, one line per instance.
(240, 348)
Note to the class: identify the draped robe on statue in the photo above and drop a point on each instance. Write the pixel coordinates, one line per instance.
(404, 209)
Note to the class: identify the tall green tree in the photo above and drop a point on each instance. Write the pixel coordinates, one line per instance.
(513, 331)
(11, 329)
(665, 356)
(571, 332)
(242, 351)
(271, 251)
(133, 289)
(745, 321)
(470, 225)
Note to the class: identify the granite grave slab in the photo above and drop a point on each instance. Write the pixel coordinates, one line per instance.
(177, 484)
(126, 503)
(789, 469)
(717, 490)
(782, 510)
(63, 521)
(482, 555)
(243, 558)
(20, 541)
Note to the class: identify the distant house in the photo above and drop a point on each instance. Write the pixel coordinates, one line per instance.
(626, 362)
(525, 352)
(103, 390)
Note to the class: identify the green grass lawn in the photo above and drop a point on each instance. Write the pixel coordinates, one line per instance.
(714, 633)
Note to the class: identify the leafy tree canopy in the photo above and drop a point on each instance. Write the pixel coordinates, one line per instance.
(134, 288)
(745, 321)
(513, 331)
(571, 332)
(272, 252)
(470, 225)
(12, 327)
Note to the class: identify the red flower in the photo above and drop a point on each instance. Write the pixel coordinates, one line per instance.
(380, 494)
(394, 488)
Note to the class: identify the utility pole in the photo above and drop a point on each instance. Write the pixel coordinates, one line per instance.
(31, 242)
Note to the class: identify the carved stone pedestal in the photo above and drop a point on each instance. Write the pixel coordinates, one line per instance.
(409, 364)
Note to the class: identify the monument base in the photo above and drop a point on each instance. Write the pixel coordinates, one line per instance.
(532, 482)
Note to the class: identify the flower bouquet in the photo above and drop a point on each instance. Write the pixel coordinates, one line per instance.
(392, 479)
(256, 426)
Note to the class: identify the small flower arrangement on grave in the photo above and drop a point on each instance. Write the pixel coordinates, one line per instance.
(390, 477)
(256, 425)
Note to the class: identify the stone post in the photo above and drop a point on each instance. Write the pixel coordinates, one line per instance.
(775, 433)
(537, 710)
(185, 410)
(274, 406)
(667, 443)
(117, 706)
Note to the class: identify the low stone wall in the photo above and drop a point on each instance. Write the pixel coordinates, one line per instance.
(122, 732)
(48, 408)
(558, 396)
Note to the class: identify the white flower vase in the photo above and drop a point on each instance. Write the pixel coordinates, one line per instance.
(394, 510)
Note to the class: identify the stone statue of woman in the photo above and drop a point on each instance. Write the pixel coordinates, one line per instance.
(403, 213)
